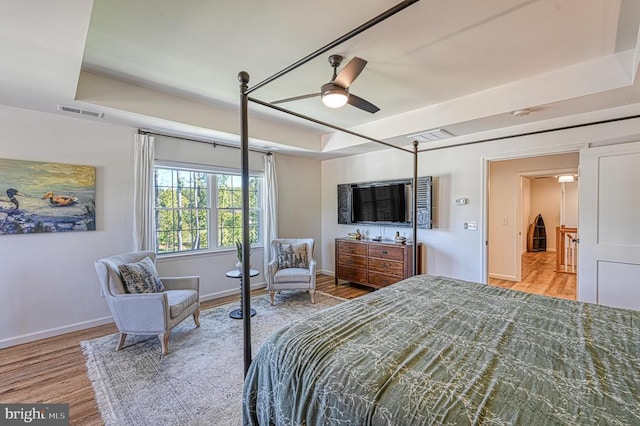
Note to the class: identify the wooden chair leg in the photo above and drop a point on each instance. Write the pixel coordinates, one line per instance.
(196, 317)
(272, 294)
(121, 340)
(313, 296)
(164, 341)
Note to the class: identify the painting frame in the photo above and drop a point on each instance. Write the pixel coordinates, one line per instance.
(45, 197)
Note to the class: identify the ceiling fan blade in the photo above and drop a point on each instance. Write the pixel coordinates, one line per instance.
(358, 102)
(296, 98)
(350, 72)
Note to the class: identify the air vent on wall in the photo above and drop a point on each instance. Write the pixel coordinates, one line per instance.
(431, 135)
(80, 111)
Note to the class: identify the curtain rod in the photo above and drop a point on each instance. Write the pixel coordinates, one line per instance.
(214, 143)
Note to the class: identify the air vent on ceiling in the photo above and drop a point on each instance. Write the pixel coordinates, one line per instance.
(80, 111)
(431, 135)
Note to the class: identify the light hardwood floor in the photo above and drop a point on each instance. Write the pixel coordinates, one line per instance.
(539, 276)
(53, 370)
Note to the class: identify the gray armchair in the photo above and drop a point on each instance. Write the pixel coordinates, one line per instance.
(292, 266)
(147, 313)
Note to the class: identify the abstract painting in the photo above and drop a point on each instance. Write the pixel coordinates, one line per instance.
(46, 197)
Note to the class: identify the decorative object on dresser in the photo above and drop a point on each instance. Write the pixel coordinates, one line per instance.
(371, 263)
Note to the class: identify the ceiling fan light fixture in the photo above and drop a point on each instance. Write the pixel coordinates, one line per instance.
(334, 96)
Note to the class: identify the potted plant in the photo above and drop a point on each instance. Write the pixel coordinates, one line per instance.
(239, 254)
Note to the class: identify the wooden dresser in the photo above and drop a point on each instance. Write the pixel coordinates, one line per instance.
(371, 263)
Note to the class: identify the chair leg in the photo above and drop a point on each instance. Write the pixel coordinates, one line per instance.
(121, 340)
(164, 341)
(313, 296)
(272, 294)
(196, 317)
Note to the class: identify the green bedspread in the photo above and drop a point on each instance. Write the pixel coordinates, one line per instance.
(433, 350)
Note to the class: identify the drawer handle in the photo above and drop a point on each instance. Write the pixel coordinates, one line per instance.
(385, 252)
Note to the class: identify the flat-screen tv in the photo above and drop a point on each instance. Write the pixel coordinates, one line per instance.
(379, 203)
(385, 203)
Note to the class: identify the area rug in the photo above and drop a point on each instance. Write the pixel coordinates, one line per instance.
(200, 381)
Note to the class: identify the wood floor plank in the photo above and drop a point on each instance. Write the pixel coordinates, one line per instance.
(539, 277)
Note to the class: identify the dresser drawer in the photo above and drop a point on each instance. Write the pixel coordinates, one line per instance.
(382, 280)
(352, 261)
(387, 252)
(351, 248)
(391, 267)
(352, 274)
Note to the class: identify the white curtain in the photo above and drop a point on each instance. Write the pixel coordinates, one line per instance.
(270, 207)
(143, 217)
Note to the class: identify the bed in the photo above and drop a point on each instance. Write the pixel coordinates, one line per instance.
(435, 350)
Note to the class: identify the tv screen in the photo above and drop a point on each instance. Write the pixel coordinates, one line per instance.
(379, 203)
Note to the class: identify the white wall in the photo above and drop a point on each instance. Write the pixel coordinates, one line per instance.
(452, 250)
(546, 199)
(49, 285)
(570, 204)
(299, 201)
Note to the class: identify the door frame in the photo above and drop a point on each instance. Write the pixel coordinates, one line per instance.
(485, 160)
(520, 213)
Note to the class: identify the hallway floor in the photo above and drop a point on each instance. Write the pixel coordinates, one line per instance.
(539, 277)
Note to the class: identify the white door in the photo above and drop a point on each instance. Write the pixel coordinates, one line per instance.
(609, 225)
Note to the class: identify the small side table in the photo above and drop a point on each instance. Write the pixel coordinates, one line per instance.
(237, 313)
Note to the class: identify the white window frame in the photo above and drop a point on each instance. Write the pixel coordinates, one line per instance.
(212, 205)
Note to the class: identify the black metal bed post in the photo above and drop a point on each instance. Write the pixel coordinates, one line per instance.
(415, 207)
(370, 23)
(246, 240)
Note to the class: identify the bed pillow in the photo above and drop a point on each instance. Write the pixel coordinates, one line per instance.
(141, 277)
(292, 256)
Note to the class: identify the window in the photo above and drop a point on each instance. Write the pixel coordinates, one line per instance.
(199, 210)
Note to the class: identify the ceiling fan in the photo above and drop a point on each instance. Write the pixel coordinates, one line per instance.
(335, 93)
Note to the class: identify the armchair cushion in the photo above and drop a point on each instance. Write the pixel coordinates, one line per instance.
(292, 275)
(141, 277)
(179, 300)
(292, 256)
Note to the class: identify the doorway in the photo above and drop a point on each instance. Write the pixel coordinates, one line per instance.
(520, 190)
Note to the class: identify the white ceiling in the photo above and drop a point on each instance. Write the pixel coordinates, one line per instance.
(462, 65)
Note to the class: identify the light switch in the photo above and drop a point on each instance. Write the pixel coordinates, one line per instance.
(471, 225)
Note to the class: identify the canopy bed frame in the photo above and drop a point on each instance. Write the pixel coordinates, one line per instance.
(245, 91)
(415, 284)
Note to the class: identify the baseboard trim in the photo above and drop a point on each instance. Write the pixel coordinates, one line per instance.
(219, 294)
(52, 332)
(502, 277)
